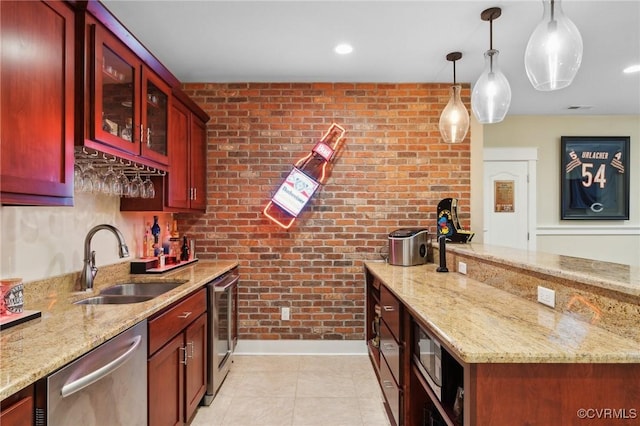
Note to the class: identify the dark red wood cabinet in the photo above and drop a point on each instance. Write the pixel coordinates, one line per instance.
(125, 103)
(18, 409)
(187, 178)
(177, 366)
(37, 91)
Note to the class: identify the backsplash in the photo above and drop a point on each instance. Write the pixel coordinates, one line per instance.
(42, 242)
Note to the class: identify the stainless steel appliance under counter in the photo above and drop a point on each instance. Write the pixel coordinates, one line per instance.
(107, 386)
(222, 294)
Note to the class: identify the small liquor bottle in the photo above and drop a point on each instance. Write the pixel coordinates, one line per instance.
(155, 231)
(184, 253)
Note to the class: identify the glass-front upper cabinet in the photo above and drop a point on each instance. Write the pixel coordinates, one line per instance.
(155, 111)
(129, 102)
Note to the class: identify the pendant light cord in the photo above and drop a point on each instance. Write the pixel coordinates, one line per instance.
(491, 34)
(454, 72)
(491, 43)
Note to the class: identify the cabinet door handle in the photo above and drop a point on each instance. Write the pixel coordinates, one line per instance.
(184, 315)
(390, 346)
(387, 384)
(195, 194)
(141, 133)
(149, 137)
(388, 308)
(192, 346)
(184, 350)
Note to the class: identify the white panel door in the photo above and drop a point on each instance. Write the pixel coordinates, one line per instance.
(506, 202)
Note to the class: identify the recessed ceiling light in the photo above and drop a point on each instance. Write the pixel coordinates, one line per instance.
(632, 68)
(343, 49)
(580, 107)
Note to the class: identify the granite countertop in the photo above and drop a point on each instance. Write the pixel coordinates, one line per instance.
(483, 324)
(606, 275)
(65, 331)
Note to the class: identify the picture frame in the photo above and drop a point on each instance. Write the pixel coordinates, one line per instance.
(594, 178)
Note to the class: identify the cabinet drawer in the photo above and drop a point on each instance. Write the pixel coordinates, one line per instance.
(391, 312)
(172, 321)
(391, 350)
(390, 390)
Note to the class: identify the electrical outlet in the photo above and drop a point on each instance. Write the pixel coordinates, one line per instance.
(284, 314)
(462, 268)
(547, 296)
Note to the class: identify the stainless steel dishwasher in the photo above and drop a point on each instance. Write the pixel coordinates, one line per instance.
(222, 294)
(107, 386)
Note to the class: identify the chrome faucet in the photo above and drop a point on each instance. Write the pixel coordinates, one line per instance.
(90, 270)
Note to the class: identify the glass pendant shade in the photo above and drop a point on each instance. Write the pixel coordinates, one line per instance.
(554, 50)
(454, 120)
(491, 94)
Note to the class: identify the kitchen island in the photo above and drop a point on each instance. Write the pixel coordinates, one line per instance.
(65, 331)
(516, 360)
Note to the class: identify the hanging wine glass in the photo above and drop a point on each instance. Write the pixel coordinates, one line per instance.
(77, 178)
(109, 182)
(124, 184)
(136, 185)
(88, 178)
(149, 189)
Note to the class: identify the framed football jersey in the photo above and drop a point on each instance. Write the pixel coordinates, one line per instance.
(595, 177)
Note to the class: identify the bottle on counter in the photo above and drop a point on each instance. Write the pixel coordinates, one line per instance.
(184, 253)
(148, 242)
(166, 240)
(155, 231)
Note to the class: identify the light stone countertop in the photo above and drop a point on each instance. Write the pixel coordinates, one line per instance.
(607, 275)
(65, 331)
(482, 324)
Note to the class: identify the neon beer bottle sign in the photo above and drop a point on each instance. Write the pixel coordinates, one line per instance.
(303, 180)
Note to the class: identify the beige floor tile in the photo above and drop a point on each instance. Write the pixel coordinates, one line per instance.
(349, 364)
(263, 411)
(304, 390)
(231, 383)
(372, 412)
(213, 414)
(326, 411)
(247, 363)
(267, 383)
(322, 384)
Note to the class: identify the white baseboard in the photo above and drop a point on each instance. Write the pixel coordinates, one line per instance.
(301, 347)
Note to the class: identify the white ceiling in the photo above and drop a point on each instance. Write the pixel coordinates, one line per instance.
(394, 41)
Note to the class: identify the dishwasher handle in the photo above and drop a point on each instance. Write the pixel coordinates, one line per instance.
(223, 286)
(94, 376)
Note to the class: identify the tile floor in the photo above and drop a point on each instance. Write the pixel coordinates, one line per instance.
(298, 390)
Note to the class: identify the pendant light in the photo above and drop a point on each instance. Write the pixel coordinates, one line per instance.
(491, 94)
(454, 120)
(554, 50)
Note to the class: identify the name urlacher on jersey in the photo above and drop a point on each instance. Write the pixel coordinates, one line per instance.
(588, 184)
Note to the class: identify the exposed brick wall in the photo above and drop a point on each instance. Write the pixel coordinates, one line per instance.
(391, 174)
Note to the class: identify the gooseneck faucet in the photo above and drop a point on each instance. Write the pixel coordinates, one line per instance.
(90, 270)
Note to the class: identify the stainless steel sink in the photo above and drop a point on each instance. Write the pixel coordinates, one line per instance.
(135, 292)
(112, 299)
(152, 289)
